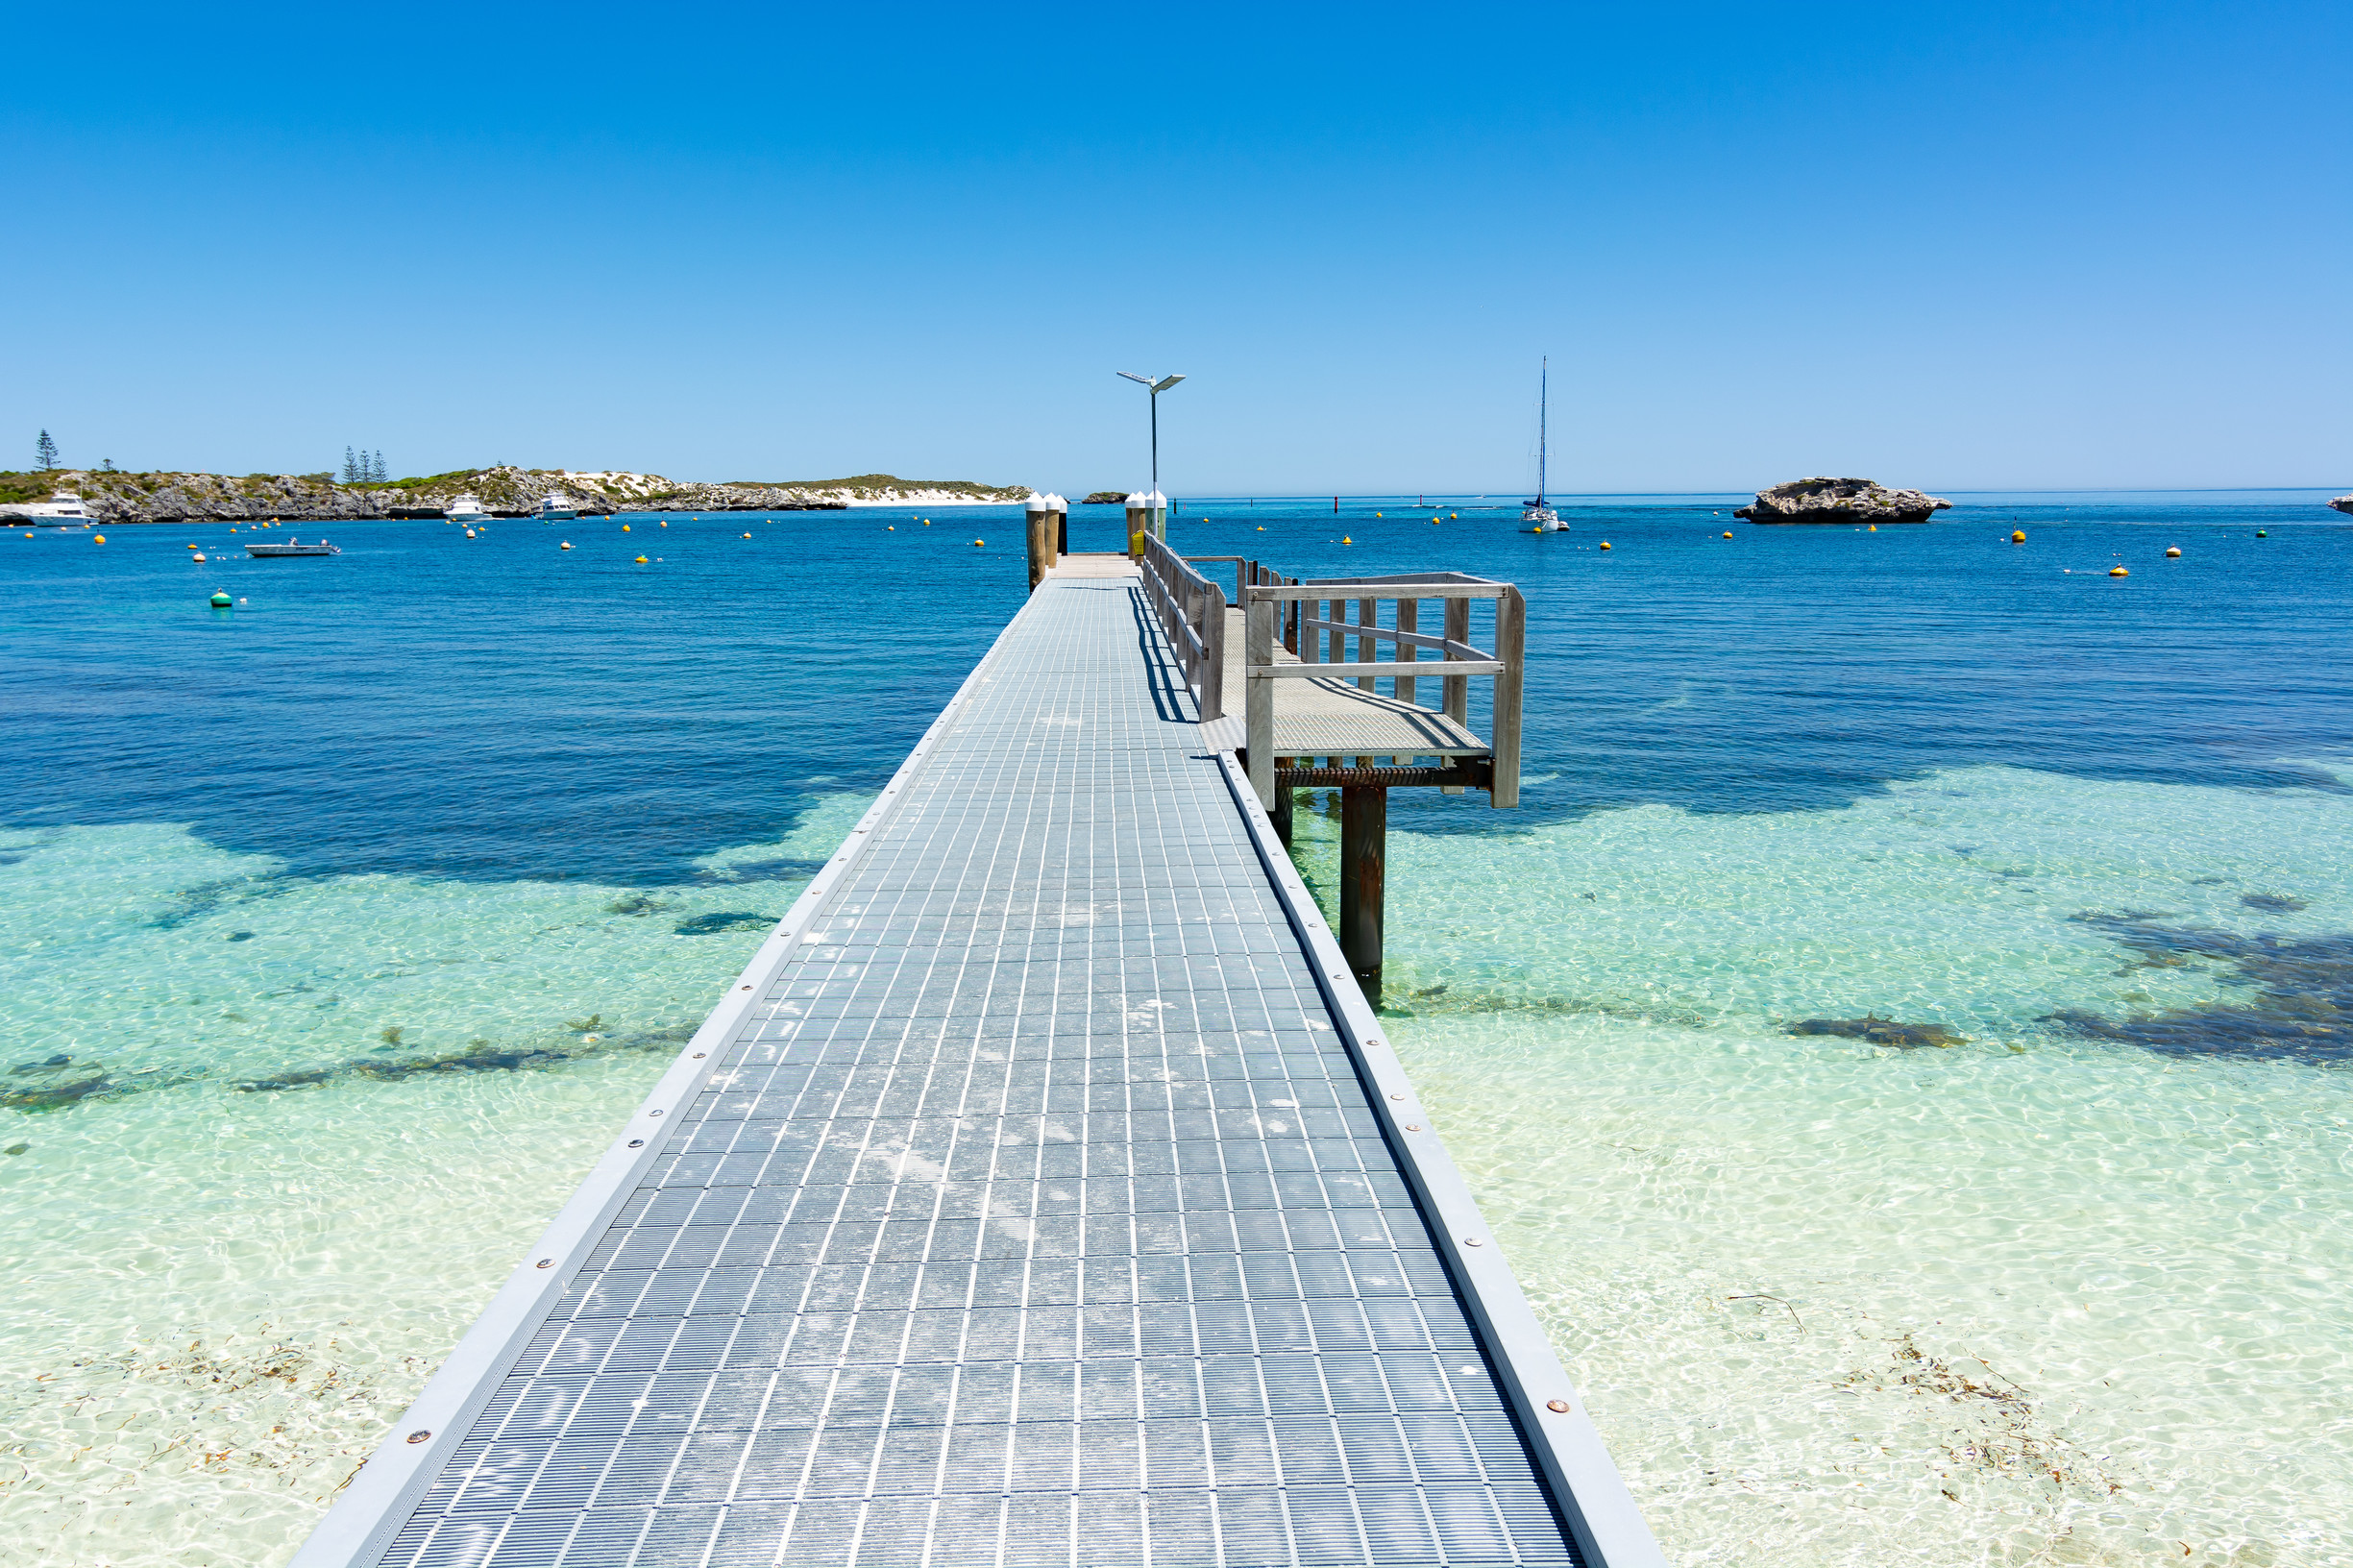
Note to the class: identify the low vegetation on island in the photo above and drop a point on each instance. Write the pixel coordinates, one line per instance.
(115, 496)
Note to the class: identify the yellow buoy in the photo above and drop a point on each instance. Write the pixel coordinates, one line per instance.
(1453, 516)
(2173, 553)
(192, 547)
(100, 538)
(748, 536)
(1261, 527)
(1345, 540)
(640, 560)
(1604, 544)
(977, 543)
(665, 524)
(1875, 528)
(1728, 533)
(1377, 514)
(566, 545)
(2118, 572)
(624, 528)
(2017, 537)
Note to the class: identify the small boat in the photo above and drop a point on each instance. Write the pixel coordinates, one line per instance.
(292, 547)
(61, 510)
(555, 504)
(1539, 511)
(467, 508)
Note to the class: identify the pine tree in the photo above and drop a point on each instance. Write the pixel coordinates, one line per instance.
(351, 467)
(384, 476)
(45, 452)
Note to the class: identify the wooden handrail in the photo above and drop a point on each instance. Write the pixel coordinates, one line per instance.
(1300, 605)
(1192, 611)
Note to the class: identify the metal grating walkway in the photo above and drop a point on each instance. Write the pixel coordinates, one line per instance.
(1030, 1212)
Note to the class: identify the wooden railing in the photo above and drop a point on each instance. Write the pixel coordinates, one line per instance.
(1192, 611)
(1316, 616)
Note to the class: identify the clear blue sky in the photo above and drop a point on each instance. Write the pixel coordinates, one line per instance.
(2068, 244)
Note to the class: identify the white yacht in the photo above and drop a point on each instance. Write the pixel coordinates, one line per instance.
(467, 508)
(555, 504)
(63, 510)
(1539, 511)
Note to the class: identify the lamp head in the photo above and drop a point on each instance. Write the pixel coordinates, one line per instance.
(1166, 383)
(1140, 381)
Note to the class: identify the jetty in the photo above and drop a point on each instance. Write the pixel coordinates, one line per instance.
(1046, 1191)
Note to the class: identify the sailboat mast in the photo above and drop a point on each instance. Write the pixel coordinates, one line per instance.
(1544, 390)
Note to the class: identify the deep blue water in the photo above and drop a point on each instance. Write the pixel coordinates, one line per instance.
(496, 708)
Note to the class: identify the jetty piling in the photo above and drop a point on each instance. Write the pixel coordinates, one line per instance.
(1044, 1190)
(1045, 538)
(1338, 729)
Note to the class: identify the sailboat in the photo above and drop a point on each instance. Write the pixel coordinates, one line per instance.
(1539, 511)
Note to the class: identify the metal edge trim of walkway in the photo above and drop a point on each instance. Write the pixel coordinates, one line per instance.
(1600, 1513)
(377, 1500)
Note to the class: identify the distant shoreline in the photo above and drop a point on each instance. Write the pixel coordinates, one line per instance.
(116, 499)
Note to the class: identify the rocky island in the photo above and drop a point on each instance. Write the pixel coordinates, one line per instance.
(2344, 503)
(1840, 501)
(118, 497)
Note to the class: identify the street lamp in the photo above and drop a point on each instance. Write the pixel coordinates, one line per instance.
(1156, 388)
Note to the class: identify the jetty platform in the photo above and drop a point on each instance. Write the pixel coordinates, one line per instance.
(1043, 1193)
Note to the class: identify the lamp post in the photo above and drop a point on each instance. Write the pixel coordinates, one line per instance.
(1155, 387)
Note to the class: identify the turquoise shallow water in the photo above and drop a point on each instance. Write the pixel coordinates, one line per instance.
(359, 912)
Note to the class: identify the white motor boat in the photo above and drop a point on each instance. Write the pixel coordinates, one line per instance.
(1539, 511)
(467, 508)
(557, 505)
(292, 547)
(61, 510)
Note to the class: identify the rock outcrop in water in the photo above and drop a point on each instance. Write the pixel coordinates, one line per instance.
(118, 497)
(1840, 501)
(2344, 503)
(1105, 497)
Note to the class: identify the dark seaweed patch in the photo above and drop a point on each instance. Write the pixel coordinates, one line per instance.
(1880, 1031)
(55, 1084)
(478, 1056)
(725, 920)
(209, 899)
(638, 903)
(2300, 1009)
(2272, 903)
(761, 870)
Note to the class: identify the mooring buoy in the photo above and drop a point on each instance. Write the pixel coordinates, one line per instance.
(220, 601)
